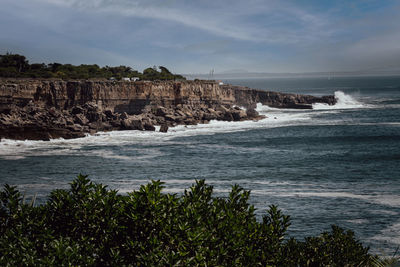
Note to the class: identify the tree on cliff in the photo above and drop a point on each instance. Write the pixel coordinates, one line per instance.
(150, 74)
(16, 66)
(164, 70)
(13, 64)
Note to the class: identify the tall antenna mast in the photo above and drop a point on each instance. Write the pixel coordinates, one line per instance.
(211, 74)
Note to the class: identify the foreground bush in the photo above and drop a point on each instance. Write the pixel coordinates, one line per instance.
(90, 225)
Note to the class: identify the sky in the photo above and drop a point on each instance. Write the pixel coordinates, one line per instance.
(197, 36)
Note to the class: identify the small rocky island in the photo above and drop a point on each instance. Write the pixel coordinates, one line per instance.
(44, 109)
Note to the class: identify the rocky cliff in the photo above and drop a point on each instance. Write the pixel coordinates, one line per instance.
(133, 97)
(43, 109)
(130, 97)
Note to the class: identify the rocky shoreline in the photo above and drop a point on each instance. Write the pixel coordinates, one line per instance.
(33, 122)
(49, 109)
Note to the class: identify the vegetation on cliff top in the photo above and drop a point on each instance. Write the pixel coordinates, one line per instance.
(90, 225)
(17, 66)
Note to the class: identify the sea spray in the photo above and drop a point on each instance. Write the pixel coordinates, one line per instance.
(344, 101)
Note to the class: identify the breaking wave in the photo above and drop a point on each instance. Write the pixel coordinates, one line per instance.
(344, 101)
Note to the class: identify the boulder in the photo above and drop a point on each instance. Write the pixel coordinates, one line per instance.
(132, 124)
(164, 128)
(252, 113)
(227, 116)
(93, 116)
(223, 109)
(210, 114)
(75, 128)
(69, 121)
(109, 114)
(137, 124)
(60, 122)
(81, 119)
(239, 115)
(148, 126)
(170, 117)
(180, 113)
(160, 120)
(191, 121)
(104, 126)
(116, 124)
(95, 125)
(90, 106)
(162, 111)
(124, 116)
(53, 112)
(77, 110)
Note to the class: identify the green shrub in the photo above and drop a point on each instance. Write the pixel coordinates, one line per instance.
(91, 225)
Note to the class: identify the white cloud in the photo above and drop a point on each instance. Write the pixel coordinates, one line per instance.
(229, 19)
(198, 35)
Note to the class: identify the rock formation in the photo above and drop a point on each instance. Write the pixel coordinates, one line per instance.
(45, 109)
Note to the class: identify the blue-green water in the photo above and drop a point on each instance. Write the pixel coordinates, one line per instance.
(330, 165)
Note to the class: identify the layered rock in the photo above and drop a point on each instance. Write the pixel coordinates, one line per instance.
(133, 97)
(45, 109)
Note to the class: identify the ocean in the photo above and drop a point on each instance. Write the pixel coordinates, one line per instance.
(329, 165)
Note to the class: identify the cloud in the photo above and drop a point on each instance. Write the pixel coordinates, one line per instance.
(195, 36)
(230, 19)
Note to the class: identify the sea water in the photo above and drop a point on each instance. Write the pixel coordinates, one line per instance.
(330, 165)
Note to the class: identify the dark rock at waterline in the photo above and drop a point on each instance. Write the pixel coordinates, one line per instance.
(148, 126)
(164, 128)
(43, 123)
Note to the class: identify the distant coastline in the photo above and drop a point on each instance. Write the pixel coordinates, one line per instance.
(261, 75)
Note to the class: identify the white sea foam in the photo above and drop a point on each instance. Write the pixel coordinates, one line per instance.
(15, 149)
(389, 234)
(107, 154)
(388, 200)
(266, 109)
(358, 221)
(270, 188)
(344, 101)
(385, 212)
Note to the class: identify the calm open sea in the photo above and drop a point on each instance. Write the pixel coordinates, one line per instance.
(330, 165)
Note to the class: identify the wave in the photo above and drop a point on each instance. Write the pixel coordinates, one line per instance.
(389, 234)
(266, 188)
(343, 101)
(17, 149)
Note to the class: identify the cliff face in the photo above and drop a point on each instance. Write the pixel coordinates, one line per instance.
(129, 97)
(133, 97)
(46, 109)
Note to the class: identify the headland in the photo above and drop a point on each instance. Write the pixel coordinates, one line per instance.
(44, 109)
